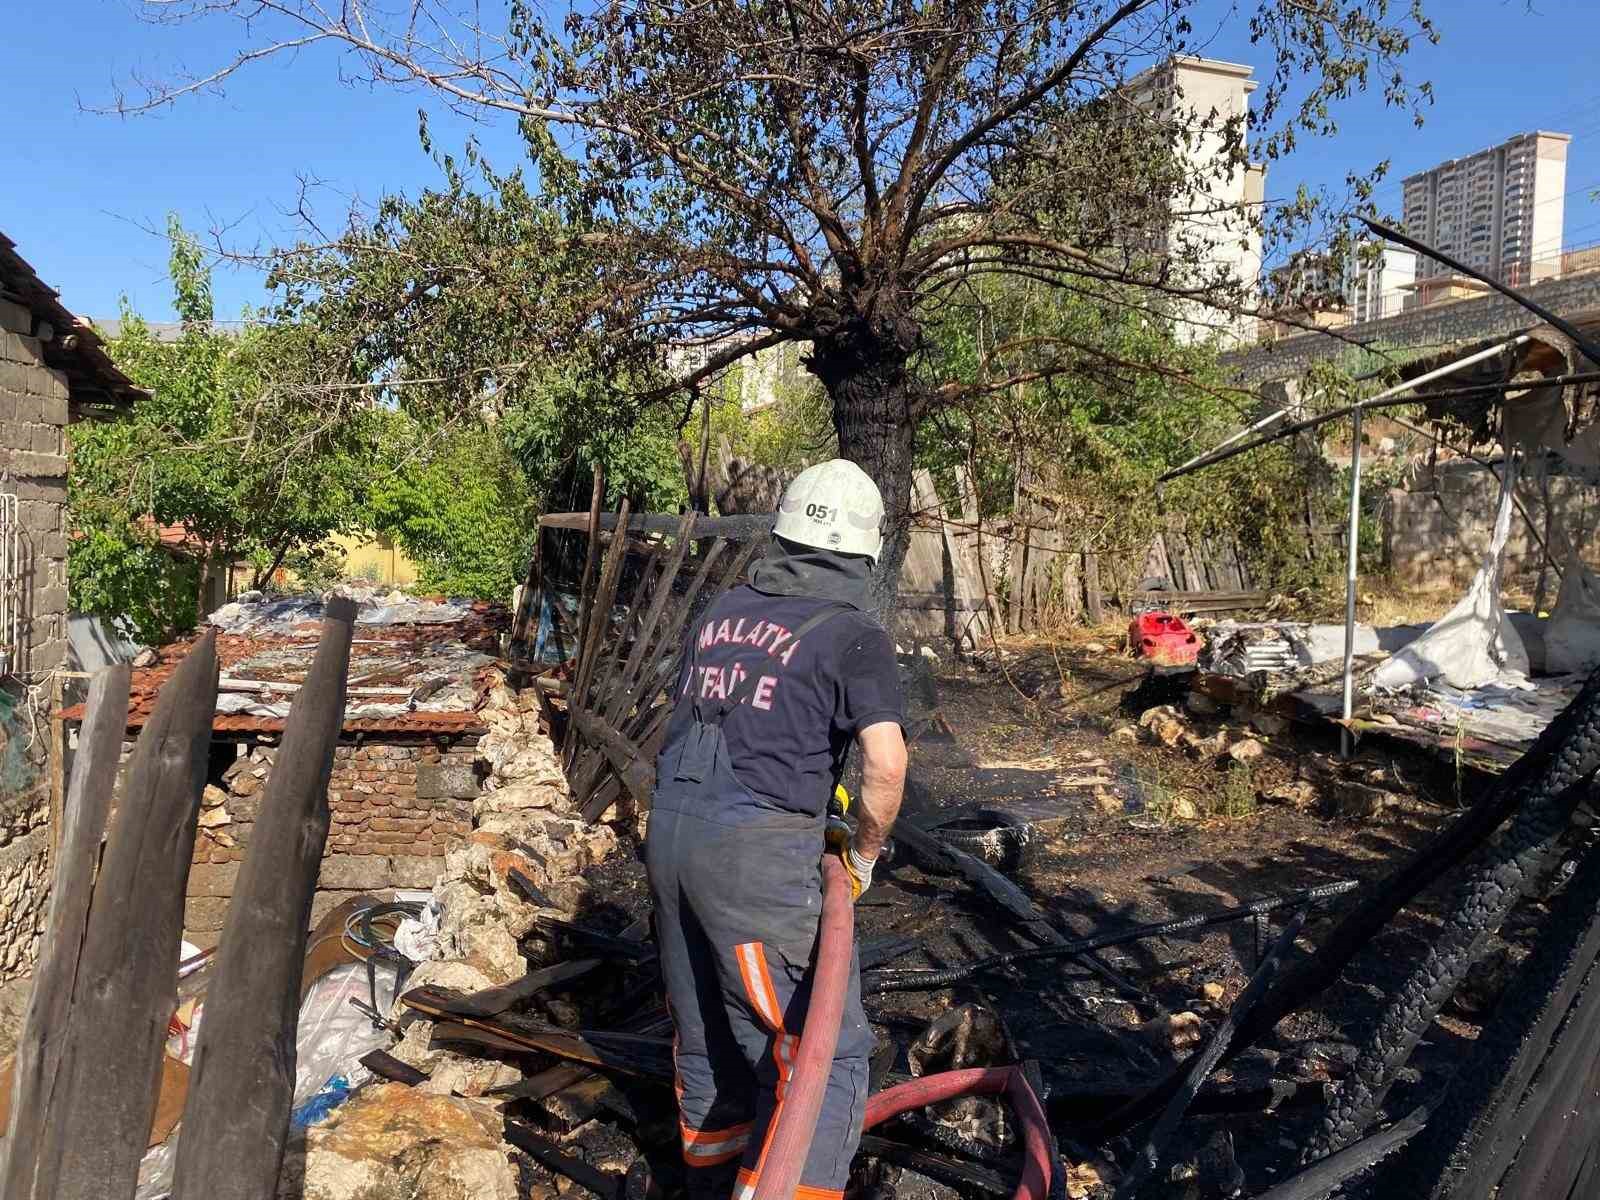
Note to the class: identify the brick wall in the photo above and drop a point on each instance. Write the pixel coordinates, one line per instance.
(396, 807)
(24, 880)
(33, 420)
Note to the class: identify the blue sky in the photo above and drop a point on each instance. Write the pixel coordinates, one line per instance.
(80, 192)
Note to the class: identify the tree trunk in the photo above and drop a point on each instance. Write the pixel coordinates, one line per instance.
(864, 368)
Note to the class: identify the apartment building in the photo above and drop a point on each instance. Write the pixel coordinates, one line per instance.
(1220, 227)
(1380, 284)
(1499, 210)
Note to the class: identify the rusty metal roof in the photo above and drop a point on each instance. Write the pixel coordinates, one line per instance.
(423, 679)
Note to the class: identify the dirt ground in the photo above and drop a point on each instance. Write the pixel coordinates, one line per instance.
(1133, 832)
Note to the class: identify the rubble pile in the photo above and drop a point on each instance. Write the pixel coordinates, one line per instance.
(525, 858)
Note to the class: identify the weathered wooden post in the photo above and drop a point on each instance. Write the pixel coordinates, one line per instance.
(95, 1126)
(83, 822)
(237, 1116)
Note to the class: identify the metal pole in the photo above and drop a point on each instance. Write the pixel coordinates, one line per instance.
(1224, 450)
(1352, 553)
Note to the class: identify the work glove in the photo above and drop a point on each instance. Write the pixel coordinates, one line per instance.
(856, 866)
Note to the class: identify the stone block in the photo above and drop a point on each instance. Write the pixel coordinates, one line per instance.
(53, 490)
(54, 410)
(446, 781)
(46, 439)
(357, 871)
(14, 318)
(20, 348)
(50, 600)
(212, 880)
(31, 465)
(204, 913)
(15, 380)
(414, 870)
(50, 545)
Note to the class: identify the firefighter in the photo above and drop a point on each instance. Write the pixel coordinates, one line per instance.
(778, 680)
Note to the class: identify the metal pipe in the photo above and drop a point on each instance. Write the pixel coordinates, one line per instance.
(1394, 235)
(1352, 553)
(1254, 427)
(1223, 452)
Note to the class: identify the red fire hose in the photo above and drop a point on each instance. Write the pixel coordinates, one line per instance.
(797, 1122)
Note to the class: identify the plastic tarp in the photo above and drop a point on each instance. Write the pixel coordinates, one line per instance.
(1572, 636)
(331, 1036)
(1473, 644)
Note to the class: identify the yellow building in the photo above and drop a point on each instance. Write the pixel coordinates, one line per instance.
(376, 559)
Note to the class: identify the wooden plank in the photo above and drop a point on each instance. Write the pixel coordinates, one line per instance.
(591, 525)
(95, 1127)
(84, 810)
(237, 1119)
(734, 529)
(605, 594)
(1094, 598)
(58, 767)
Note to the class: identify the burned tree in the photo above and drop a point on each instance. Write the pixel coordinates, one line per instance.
(726, 177)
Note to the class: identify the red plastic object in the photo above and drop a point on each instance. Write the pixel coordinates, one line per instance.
(1164, 639)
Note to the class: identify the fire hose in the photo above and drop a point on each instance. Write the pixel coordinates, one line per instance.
(797, 1121)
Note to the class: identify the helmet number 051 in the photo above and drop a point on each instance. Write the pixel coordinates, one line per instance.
(820, 511)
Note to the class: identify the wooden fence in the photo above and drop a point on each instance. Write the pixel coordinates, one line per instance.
(89, 1063)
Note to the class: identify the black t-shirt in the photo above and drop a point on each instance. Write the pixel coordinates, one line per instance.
(788, 739)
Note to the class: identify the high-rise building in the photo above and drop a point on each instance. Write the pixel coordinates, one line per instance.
(1499, 210)
(1207, 103)
(1380, 284)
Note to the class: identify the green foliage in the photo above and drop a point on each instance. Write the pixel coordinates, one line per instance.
(121, 573)
(223, 449)
(462, 512)
(1094, 401)
(1237, 796)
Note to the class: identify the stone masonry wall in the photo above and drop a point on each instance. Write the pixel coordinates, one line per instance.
(24, 880)
(397, 807)
(33, 420)
(1438, 542)
(1422, 328)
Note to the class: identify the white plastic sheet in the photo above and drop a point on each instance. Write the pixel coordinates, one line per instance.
(1473, 644)
(1572, 636)
(333, 1034)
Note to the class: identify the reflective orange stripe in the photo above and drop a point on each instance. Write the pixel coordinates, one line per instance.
(709, 1147)
(813, 1193)
(764, 999)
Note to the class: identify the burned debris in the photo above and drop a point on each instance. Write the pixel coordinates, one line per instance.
(503, 1031)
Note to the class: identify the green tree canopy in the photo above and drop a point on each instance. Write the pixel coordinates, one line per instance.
(731, 176)
(223, 449)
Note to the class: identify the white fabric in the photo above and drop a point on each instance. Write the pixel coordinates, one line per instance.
(1572, 636)
(833, 506)
(1473, 644)
(862, 866)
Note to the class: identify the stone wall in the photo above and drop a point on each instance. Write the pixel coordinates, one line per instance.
(24, 880)
(1423, 328)
(1436, 535)
(33, 420)
(397, 807)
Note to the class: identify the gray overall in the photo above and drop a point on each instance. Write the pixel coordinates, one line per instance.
(737, 885)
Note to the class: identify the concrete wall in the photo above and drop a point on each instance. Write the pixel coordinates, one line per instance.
(33, 421)
(1431, 327)
(397, 806)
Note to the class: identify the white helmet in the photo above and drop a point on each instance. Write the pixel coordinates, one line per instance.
(833, 506)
